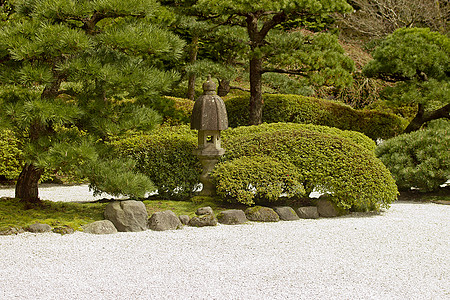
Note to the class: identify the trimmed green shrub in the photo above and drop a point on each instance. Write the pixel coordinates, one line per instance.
(262, 178)
(10, 155)
(300, 109)
(165, 156)
(419, 159)
(352, 174)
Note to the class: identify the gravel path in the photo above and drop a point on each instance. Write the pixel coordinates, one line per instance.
(403, 253)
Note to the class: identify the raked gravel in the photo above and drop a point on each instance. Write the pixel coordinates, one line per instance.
(402, 253)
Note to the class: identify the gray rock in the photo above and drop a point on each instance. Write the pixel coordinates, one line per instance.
(66, 229)
(204, 211)
(130, 215)
(100, 227)
(286, 213)
(203, 220)
(164, 220)
(39, 228)
(184, 219)
(232, 217)
(308, 212)
(329, 209)
(261, 214)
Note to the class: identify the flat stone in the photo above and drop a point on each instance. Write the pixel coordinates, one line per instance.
(39, 228)
(12, 231)
(261, 214)
(286, 213)
(164, 220)
(308, 212)
(100, 227)
(232, 217)
(203, 220)
(66, 229)
(127, 216)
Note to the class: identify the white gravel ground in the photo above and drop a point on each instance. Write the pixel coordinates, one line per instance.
(403, 253)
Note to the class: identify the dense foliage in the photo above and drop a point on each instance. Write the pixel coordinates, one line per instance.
(96, 66)
(300, 109)
(292, 157)
(419, 159)
(352, 174)
(418, 61)
(10, 155)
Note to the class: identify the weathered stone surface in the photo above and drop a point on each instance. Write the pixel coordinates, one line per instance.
(232, 217)
(203, 220)
(204, 211)
(130, 215)
(164, 220)
(184, 219)
(328, 209)
(100, 227)
(12, 231)
(261, 214)
(286, 213)
(66, 229)
(39, 228)
(308, 212)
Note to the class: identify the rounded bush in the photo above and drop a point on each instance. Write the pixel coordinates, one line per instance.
(349, 172)
(301, 109)
(165, 156)
(419, 159)
(10, 155)
(251, 180)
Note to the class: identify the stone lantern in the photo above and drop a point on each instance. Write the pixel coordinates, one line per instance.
(209, 117)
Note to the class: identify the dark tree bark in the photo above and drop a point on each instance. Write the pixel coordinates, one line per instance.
(27, 184)
(256, 101)
(422, 117)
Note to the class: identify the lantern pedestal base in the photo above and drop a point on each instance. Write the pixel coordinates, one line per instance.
(208, 163)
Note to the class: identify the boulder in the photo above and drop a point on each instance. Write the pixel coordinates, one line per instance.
(130, 215)
(328, 209)
(232, 217)
(100, 227)
(39, 228)
(66, 229)
(286, 213)
(164, 220)
(308, 212)
(204, 211)
(184, 219)
(261, 214)
(203, 220)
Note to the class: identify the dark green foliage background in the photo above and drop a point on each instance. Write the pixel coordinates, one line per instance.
(300, 109)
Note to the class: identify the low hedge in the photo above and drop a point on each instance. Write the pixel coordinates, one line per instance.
(262, 162)
(11, 162)
(351, 173)
(419, 159)
(301, 109)
(165, 156)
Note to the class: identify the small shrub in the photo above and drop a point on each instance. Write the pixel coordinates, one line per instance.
(165, 156)
(419, 159)
(10, 155)
(351, 173)
(300, 109)
(250, 180)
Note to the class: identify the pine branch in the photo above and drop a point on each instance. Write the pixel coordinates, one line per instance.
(285, 71)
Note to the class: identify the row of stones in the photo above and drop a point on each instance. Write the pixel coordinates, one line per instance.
(131, 216)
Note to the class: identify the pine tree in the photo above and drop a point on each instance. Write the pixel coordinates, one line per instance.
(75, 74)
(417, 60)
(272, 49)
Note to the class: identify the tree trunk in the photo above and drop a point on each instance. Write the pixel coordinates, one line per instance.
(224, 88)
(193, 50)
(256, 101)
(422, 117)
(27, 184)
